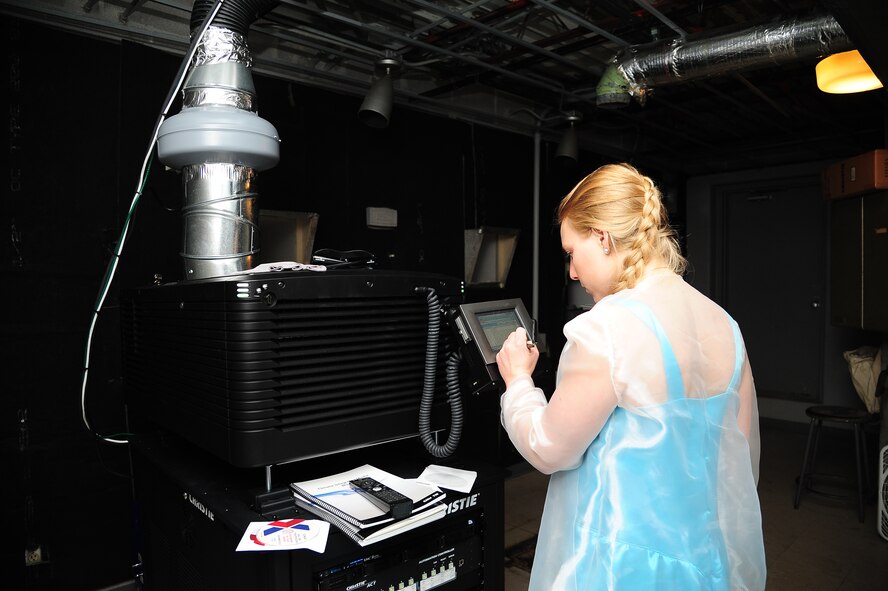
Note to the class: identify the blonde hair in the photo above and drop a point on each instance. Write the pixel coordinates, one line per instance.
(618, 199)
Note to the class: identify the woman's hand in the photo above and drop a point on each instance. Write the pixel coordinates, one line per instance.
(515, 358)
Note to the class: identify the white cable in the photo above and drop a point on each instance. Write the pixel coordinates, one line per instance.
(140, 186)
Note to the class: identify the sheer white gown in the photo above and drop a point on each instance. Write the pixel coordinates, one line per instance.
(651, 437)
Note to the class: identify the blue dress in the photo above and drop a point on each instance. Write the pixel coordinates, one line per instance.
(664, 497)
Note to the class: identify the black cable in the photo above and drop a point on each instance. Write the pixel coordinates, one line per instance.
(428, 390)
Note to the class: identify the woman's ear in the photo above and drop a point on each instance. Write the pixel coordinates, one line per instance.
(601, 237)
(604, 240)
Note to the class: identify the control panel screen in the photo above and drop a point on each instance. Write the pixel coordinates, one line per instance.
(498, 325)
(485, 326)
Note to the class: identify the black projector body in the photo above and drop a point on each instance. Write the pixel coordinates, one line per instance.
(262, 369)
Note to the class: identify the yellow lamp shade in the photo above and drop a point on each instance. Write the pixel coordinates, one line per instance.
(845, 72)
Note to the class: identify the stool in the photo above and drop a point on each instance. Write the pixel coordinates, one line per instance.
(858, 418)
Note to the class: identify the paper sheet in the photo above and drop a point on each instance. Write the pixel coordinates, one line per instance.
(285, 266)
(445, 477)
(285, 534)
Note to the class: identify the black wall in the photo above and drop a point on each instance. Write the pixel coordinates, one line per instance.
(80, 116)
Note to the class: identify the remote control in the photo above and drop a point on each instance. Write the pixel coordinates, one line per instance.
(387, 499)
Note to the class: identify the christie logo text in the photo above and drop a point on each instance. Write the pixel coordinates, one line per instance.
(463, 503)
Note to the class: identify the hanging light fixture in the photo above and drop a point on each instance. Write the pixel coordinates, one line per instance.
(845, 72)
(376, 109)
(568, 150)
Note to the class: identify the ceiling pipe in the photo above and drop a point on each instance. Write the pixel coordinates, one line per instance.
(662, 17)
(581, 21)
(644, 67)
(471, 22)
(128, 12)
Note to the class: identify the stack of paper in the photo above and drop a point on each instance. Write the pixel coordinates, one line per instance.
(332, 498)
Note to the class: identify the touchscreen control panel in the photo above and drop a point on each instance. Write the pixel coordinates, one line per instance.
(482, 329)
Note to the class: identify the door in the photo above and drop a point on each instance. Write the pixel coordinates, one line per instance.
(773, 282)
(875, 261)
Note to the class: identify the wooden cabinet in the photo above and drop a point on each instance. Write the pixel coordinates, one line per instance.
(859, 261)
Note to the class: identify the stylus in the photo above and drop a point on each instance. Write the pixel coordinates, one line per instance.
(531, 339)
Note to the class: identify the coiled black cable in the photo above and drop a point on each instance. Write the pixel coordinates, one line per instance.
(428, 385)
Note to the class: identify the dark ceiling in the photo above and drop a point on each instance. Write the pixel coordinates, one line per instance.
(720, 85)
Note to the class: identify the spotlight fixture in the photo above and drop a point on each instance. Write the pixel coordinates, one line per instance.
(568, 150)
(844, 73)
(376, 109)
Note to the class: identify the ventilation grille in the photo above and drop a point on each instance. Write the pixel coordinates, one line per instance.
(304, 362)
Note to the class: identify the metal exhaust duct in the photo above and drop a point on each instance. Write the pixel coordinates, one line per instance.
(644, 67)
(219, 143)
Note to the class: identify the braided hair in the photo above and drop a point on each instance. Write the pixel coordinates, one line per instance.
(618, 199)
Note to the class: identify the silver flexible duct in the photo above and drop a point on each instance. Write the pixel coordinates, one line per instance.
(643, 67)
(219, 142)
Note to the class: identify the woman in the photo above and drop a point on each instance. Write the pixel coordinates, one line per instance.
(651, 435)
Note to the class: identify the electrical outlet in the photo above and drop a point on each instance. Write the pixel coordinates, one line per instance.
(33, 556)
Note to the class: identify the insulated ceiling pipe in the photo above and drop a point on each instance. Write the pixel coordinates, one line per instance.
(643, 67)
(219, 143)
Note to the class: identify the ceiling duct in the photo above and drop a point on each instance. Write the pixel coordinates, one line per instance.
(234, 15)
(644, 67)
(219, 142)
